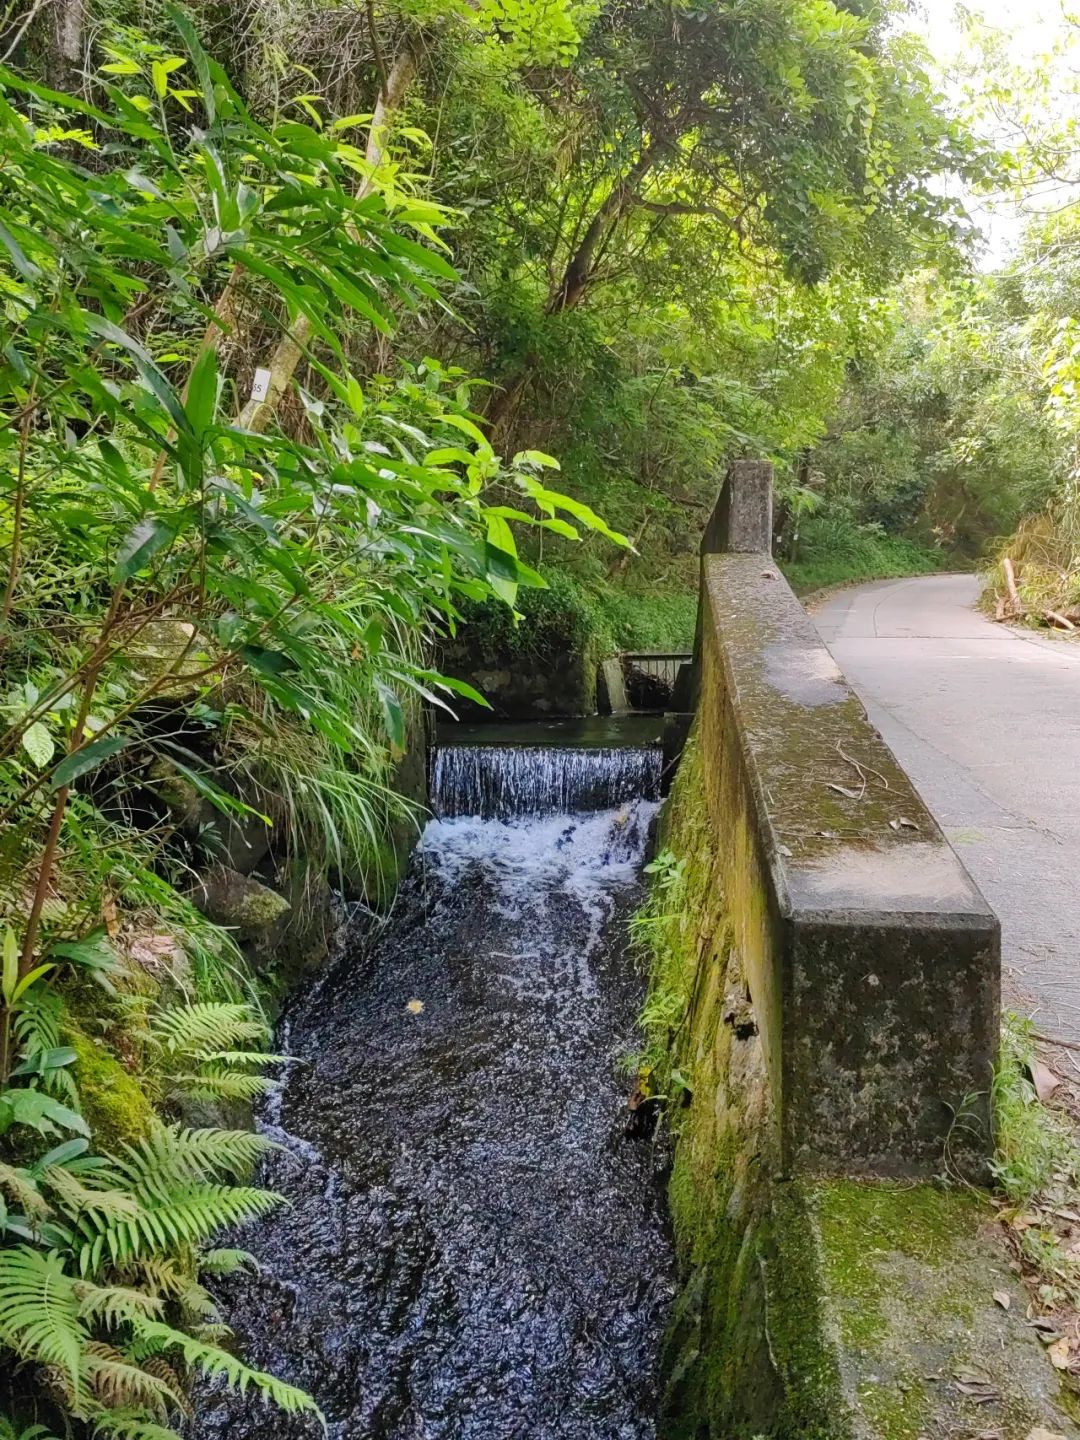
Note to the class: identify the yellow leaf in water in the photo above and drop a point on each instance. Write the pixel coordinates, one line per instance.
(415, 1007)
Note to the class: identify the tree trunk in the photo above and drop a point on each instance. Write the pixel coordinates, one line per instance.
(576, 279)
(257, 414)
(69, 24)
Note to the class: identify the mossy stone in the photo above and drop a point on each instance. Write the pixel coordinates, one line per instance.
(113, 1102)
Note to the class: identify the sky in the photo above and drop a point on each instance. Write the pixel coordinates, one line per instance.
(1035, 25)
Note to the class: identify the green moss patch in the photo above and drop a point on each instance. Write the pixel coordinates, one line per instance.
(113, 1104)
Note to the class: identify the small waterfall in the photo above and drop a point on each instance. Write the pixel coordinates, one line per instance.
(505, 781)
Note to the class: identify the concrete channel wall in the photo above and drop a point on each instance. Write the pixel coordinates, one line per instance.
(872, 960)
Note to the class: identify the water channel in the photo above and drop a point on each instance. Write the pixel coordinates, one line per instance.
(476, 1249)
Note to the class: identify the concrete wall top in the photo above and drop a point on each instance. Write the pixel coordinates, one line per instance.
(847, 834)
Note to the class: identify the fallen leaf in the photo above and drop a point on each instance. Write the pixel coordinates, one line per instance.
(1059, 1353)
(1003, 1298)
(1045, 1081)
(843, 790)
(1040, 1434)
(902, 824)
(415, 1007)
(977, 1388)
(990, 1435)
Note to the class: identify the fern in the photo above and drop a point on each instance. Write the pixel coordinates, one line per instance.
(114, 1305)
(186, 1216)
(197, 1030)
(130, 1425)
(20, 1186)
(223, 1085)
(39, 1311)
(171, 1155)
(38, 1021)
(100, 1197)
(117, 1383)
(227, 1262)
(212, 1361)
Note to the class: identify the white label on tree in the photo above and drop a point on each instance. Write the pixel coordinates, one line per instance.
(260, 387)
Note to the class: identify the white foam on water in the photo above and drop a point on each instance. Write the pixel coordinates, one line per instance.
(535, 862)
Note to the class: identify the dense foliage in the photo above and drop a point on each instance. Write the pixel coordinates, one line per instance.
(266, 342)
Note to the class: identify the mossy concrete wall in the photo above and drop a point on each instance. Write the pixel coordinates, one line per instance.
(872, 959)
(840, 1309)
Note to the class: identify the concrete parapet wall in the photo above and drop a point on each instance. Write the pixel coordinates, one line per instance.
(871, 957)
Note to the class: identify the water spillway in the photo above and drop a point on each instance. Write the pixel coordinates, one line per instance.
(511, 781)
(476, 1249)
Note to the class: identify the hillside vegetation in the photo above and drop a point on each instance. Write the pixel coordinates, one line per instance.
(329, 328)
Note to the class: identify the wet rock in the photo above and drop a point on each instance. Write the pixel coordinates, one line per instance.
(168, 647)
(247, 906)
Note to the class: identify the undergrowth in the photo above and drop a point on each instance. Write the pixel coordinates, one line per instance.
(834, 552)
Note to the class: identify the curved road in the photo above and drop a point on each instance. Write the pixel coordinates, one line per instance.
(986, 719)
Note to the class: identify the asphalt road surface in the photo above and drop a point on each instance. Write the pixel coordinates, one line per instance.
(986, 720)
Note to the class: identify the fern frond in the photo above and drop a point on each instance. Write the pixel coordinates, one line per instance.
(118, 1383)
(130, 1425)
(98, 1197)
(227, 1262)
(170, 1156)
(20, 1186)
(226, 1085)
(38, 1022)
(217, 1334)
(167, 1373)
(188, 1215)
(114, 1305)
(194, 1030)
(212, 1361)
(244, 1057)
(39, 1311)
(161, 1275)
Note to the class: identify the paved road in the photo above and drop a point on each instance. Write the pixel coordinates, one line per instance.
(986, 719)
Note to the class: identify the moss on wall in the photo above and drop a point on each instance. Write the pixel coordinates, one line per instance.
(808, 1310)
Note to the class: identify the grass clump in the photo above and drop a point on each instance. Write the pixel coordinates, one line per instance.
(1036, 1150)
(835, 552)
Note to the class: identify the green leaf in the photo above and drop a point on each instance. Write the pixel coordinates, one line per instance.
(87, 758)
(39, 1111)
(29, 980)
(43, 1060)
(141, 544)
(268, 662)
(11, 964)
(202, 394)
(94, 952)
(26, 268)
(393, 715)
(182, 21)
(38, 744)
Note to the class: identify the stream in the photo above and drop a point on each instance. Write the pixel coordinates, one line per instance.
(475, 1249)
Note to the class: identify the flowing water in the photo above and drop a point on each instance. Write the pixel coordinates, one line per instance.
(476, 1249)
